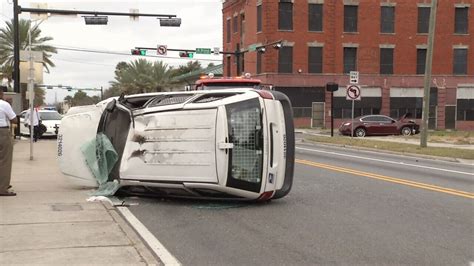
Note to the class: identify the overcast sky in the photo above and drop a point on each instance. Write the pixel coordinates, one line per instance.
(201, 27)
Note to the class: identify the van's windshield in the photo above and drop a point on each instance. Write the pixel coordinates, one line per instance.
(246, 133)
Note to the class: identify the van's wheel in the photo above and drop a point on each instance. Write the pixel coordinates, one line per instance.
(360, 132)
(406, 131)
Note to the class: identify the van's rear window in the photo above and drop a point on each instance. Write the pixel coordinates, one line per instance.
(244, 121)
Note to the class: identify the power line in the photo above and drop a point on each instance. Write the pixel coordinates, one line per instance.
(82, 62)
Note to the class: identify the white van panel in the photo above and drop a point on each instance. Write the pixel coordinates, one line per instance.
(172, 145)
(76, 130)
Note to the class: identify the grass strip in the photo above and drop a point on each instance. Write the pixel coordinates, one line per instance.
(396, 147)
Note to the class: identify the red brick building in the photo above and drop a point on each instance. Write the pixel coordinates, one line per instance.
(384, 40)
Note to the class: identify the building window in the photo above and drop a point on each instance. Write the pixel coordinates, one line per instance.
(259, 63)
(234, 24)
(285, 15)
(461, 20)
(350, 18)
(420, 61)
(423, 19)
(387, 19)
(259, 18)
(350, 59)
(285, 59)
(386, 60)
(460, 62)
(465, 110)
(315, 17)
(228, 30)
(366, 106)
(315, 60)
(242, 26)
(229, 74)
(400, 106)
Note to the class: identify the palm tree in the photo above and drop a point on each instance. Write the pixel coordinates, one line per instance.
(142, 76)
(37, 43)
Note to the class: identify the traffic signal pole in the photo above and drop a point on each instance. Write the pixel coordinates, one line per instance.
(16, 51)
(16, 36)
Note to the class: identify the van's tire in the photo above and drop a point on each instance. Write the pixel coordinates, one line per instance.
(405, 131)
(360, 132)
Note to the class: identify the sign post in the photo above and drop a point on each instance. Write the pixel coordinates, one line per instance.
(332, 87)
(353, 93)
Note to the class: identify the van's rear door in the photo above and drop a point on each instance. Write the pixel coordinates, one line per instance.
(172, 146)
(246, 158)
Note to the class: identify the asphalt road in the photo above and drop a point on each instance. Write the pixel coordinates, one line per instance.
(346, 207)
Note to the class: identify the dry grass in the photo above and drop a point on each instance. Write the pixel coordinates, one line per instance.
(395, 146)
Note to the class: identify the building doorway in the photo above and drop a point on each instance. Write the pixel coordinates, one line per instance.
(317, 115)
(450, 117)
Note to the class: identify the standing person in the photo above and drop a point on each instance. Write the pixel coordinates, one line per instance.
(35, 120)
(7, 116)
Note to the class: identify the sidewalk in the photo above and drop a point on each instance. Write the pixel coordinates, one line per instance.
(50, 221)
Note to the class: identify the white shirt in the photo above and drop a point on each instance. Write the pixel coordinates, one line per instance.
(35, 117)
(6, 113)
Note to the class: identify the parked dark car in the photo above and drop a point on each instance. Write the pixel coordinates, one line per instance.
(380, 125)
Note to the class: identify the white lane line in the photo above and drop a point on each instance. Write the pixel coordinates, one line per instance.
(165, 256)
(387, 161)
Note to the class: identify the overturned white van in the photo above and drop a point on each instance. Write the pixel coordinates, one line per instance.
(223, 144)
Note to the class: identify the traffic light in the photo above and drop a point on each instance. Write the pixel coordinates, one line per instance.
(186, 54)
(138, 52)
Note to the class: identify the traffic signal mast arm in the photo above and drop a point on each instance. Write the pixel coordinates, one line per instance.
(276, 44)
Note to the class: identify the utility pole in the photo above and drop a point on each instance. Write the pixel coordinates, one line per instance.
(427, 81)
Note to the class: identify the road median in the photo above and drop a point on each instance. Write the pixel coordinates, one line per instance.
(448, 152)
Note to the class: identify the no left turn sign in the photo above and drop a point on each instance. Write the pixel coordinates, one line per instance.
(353, 93)
(162, 50)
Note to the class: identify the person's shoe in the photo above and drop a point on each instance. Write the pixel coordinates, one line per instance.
(8, 193)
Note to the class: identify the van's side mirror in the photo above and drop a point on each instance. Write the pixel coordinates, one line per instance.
(111, 106)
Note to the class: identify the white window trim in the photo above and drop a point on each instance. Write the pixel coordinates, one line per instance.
(423, 5)
(389, 46)
(350, 45)
(315, 1)
(351, 2)
(315, 44)
(388, 4)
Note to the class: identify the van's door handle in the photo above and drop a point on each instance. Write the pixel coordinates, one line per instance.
(225, 145)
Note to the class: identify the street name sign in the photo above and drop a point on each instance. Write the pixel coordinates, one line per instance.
(203, 50)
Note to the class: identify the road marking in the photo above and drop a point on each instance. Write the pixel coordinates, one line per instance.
(387, 161)
(389, 179)
(165, 256)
